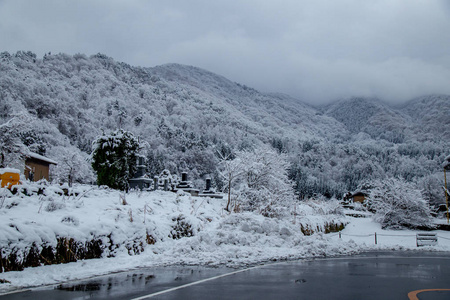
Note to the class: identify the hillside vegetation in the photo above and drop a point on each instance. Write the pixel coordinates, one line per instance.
(185, 116)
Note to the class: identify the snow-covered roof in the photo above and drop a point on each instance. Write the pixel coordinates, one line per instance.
(8, 170)
(446, 163)
(359, 193)
(40, 157)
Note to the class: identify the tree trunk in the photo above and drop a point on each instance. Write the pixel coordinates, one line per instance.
(229, 196)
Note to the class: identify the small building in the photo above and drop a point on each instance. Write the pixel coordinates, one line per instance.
(359, 197)
(37, 167)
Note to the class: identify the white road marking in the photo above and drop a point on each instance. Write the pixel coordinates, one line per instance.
(300, 260)
(272, 264)
(196, 282)
(15, 292)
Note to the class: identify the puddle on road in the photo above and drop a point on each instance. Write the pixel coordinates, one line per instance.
(137, 281)
(80, 287)
(109, 284)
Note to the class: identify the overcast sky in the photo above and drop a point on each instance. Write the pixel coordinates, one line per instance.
(317, 50)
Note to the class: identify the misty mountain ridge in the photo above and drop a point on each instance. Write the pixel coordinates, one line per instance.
(422, 118)
(356, 114)
(185, 114)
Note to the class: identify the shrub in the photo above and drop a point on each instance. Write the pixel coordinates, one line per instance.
(114, 159)
(398, 204)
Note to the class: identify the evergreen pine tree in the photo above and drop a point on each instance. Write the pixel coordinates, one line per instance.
(114, 158)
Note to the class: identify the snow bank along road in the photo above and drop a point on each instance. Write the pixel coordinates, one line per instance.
(374, 275)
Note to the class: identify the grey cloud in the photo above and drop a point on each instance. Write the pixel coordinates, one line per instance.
(316, 51)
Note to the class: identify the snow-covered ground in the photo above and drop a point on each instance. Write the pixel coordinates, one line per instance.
(218, 238)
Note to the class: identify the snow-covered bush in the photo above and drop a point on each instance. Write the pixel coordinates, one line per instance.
(319, 215)
(322, 206)
(181, 228)
(398, 204)
(4, 193)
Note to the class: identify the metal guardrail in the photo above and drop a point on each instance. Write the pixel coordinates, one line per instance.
(422, 239)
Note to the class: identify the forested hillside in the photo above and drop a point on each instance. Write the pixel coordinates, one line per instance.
(372, 117)
(431, 117)
(184, 116)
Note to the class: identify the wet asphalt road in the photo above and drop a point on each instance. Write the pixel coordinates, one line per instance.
(389, 275)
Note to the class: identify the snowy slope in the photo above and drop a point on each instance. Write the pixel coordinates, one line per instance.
(81, 96)
(218, 238)
(422, 119)
(373, 117)
(287, 114)
(431, 115)
(163, 227)
(181, 113)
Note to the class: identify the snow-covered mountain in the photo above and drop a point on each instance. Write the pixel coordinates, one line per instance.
(421, 119)
(184, 115)
(281, 113)
(83, 95)
(430, 116)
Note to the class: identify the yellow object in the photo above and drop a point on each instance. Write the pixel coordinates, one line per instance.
(9, 179)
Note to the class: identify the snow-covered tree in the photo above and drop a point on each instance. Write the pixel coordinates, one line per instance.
(230, 170)
(398, 204)
(266, 187)
(431, 186)
(73, 165)
(12, 148)
(114, 158)
(259, 179)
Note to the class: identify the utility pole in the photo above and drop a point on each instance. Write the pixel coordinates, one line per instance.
(446, 166)
(446, 193)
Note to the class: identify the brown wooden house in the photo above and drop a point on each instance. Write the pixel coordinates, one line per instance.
(37, 167)
(358, 197)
